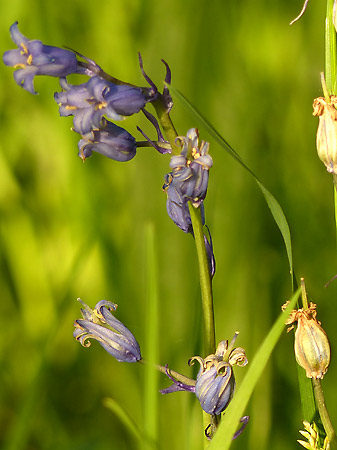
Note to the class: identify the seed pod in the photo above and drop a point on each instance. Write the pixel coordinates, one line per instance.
(326, 140)
(312, 348)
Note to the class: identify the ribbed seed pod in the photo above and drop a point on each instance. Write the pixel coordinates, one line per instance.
(312, 348)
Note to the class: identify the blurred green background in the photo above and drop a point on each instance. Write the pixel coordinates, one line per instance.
(72, 230)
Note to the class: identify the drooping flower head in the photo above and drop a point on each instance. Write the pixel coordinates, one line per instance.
(215, 381)
(188, 179)
(188, 182)
(90, 101)
(34, 58)
(113, 336)
(109, 140)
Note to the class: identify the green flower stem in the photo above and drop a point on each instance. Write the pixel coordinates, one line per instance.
(335, 199)
(176, 375)
(205, 281)
(166, 123)
(330, 49)
(323, 412)
(149, 144)
(304, 295)
(330, 77)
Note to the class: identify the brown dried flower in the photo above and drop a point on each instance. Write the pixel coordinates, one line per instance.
(312, 348)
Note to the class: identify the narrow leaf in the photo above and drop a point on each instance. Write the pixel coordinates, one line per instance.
(124, 417)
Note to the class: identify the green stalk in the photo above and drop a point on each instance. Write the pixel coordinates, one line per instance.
(323, 412)
(167, 124)
(176, 375)
(304, 295)
(330, 77)
(335, 199)
(206, 297)
(209, 345)
(205, 281)
(330, 50)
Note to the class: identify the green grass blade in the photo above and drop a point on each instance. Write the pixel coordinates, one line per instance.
(229, 424)
(124, 418)
(307, 395)
(272, 203)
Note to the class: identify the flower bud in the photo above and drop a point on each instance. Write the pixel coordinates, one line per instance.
(110, 140)
(326, 140)
(312, 348)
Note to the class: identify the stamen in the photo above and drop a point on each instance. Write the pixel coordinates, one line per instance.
(24, 49)
(101, 105)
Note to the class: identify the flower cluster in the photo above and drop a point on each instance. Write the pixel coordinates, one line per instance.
(90, 102)
(188, 182)
(188, 179)
(113, 336)
(311, 433)
(94, 106)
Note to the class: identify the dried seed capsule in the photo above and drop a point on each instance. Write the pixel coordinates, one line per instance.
(326, 140)
(312, 348)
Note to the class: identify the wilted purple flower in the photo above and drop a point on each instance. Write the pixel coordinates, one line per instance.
(113, 336)
(90, 101)
(188, 179)
(111, 141)
(215, 381)
(190, 168)
(177, 206)
(34, 58)
(215, 387)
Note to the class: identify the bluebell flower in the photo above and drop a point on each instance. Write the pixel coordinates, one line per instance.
(215, 383)
(90, 101)
(113, 336)
(188, 179)
(34, 58)
(177, 205)
(111, 141)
